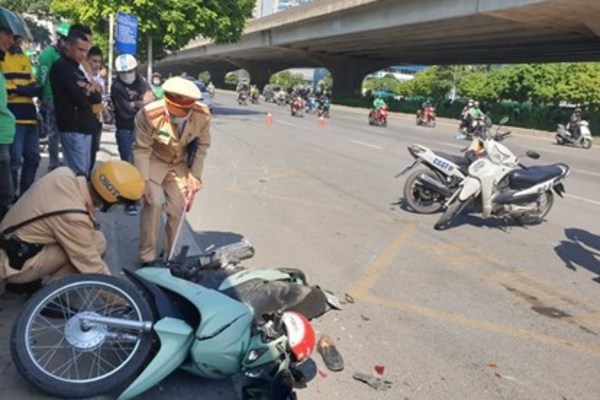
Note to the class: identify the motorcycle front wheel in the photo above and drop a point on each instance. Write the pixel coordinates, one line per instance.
(56, 349)
(559, 140)
(421, 199)
(586, 143)
(542, 206)
(452, 211)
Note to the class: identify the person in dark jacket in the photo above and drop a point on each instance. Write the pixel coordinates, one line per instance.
(74, 96)
(127, 95)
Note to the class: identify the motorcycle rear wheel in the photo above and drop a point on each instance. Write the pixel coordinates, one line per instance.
(452, 211)
(418, 197)
(543, 203)
(55, 352)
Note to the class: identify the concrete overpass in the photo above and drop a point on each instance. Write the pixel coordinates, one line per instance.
(352, 38)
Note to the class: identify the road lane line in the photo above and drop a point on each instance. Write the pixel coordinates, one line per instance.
(373, 272)
(582, 171)
(572, 196)
(367, 144)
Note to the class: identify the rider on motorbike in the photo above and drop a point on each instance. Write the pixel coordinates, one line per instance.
(464, 115)
(242, 90)
(572, 126)
(378, 103)
(254, 92)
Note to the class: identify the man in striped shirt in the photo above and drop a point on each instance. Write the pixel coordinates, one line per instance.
(21, 89)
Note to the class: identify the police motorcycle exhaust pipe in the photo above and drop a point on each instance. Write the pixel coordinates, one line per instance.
(86, 335)
(435, 185)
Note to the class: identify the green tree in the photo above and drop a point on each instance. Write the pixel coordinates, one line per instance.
(40, 8)
(286, 79)
(170, 23)
(204, 76)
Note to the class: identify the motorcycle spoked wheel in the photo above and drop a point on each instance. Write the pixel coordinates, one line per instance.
(452, 211)
(418, 197)
(54, 352)
(543, 204)
(586, 143)
(559, 140)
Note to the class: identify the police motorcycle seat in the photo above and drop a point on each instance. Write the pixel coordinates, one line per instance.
(525, 178)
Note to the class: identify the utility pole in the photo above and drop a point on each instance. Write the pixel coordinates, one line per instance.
(111, 46)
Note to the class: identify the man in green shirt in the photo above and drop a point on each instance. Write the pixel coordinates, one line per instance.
(7, 129)
(47, 57)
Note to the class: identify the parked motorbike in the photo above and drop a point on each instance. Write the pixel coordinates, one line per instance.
(86, 335)
(324, 107)
(378, 118)
(426, 116)
(500, 186)
(563, 136)
(243, 98)
(297, 107)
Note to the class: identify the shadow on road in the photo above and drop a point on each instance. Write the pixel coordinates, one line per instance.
(581, 249)
(210, 239)
(220, 110)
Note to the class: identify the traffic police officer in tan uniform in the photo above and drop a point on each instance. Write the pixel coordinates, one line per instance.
(172, 137)
(51, 229)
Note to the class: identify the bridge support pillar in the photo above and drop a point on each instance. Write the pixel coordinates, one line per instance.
(348, 76)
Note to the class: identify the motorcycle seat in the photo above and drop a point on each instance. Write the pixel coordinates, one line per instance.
(525, 178)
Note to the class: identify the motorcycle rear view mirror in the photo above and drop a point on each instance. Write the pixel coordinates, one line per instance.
(532, 154)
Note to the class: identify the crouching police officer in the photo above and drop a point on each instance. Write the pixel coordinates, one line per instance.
(172, 137)
(51, 230)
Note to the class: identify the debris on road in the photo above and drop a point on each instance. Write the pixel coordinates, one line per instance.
(373, 381)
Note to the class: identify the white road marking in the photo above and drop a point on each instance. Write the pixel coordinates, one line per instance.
(367, 144)
(582, 171)
(582, 199)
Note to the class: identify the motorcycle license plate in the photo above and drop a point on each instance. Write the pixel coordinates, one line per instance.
(408, 167)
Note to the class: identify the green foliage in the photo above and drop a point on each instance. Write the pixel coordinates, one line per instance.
(286, 79)
(171, 23)
(39, 8)
(231, 79)
(204, 76)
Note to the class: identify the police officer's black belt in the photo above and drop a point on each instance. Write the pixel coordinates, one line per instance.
(19, 251)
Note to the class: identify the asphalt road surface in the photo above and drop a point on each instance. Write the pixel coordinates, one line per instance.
(479, 311)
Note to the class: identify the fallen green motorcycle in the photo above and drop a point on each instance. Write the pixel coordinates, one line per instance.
(88, 335)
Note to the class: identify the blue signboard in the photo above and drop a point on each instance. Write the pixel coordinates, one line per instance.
(126, 35)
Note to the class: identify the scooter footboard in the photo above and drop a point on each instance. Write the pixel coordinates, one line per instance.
(175, 340)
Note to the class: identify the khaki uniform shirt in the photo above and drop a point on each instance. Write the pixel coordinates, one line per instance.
(160, 148)
(58, 190)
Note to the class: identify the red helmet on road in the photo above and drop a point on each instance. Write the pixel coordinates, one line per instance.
(301, 335)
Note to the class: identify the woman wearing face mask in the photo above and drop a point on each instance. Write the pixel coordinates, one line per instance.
(156, 86)
(127, 95)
